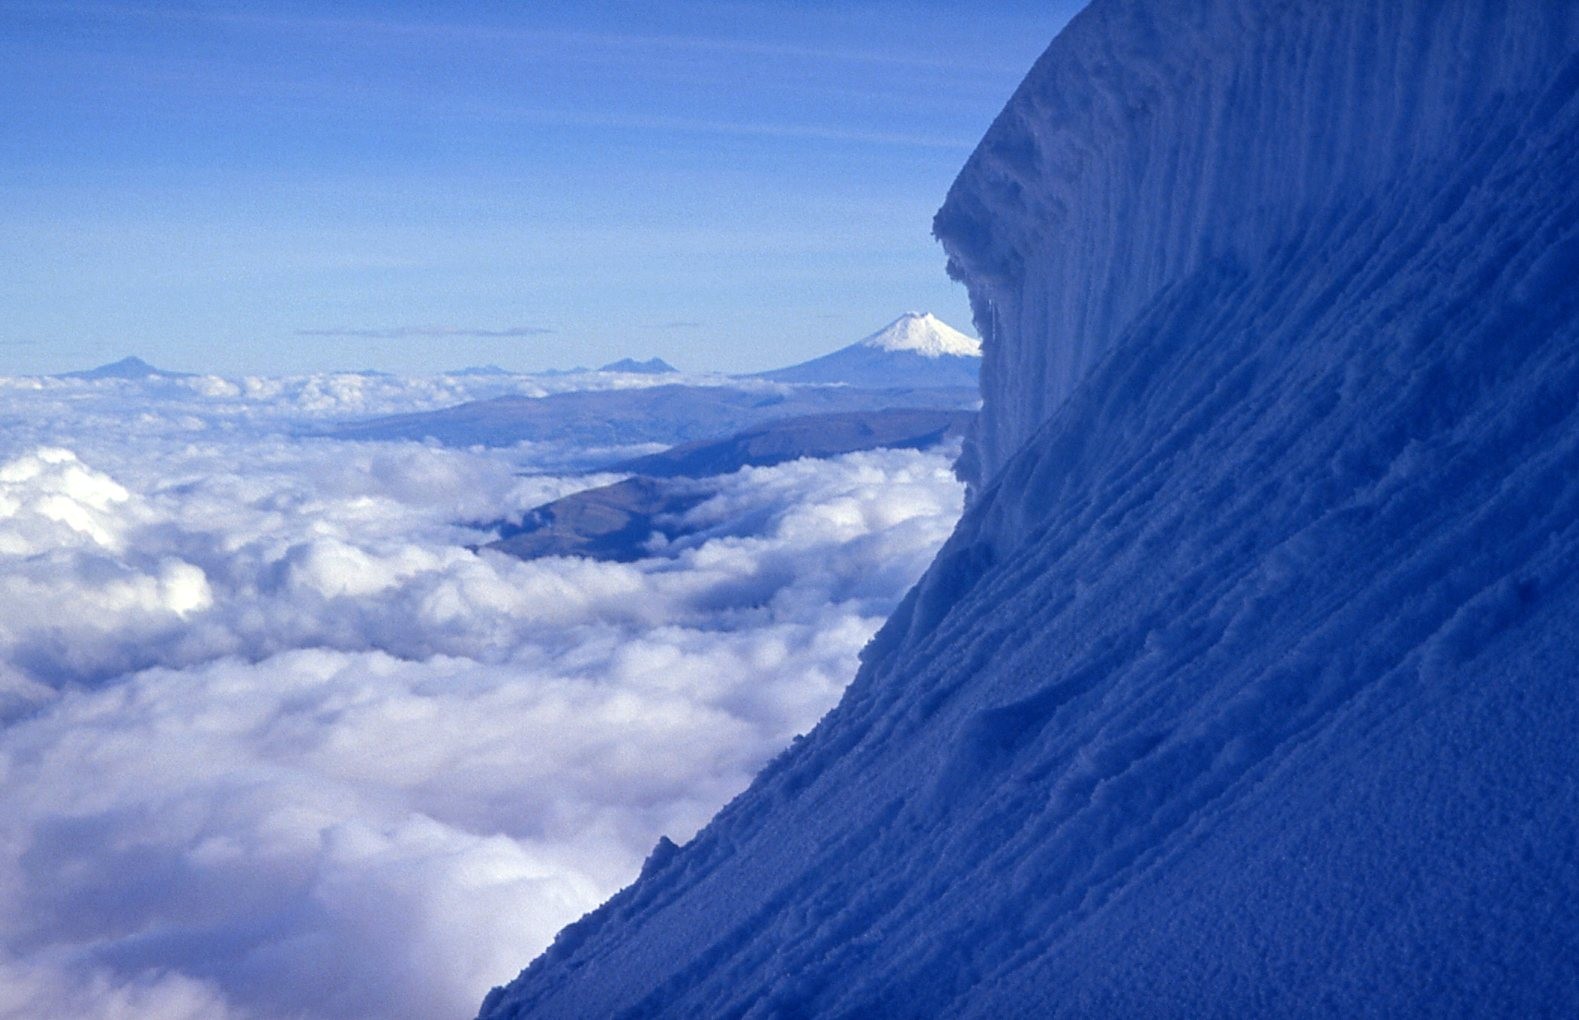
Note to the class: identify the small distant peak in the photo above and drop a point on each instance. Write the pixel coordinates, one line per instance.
(652, 366)
(130, 367)
(925, 334)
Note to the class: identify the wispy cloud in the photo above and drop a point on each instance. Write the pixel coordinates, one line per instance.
(428, 332)
(702, 126)
(584, 42)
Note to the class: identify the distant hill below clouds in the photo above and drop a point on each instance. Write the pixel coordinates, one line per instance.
(814, 435)
(619, 522)
(652, 366)
(126, 368)
(915, 350)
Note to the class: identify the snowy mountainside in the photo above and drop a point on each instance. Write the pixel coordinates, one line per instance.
(1246, 686)
(915, 350)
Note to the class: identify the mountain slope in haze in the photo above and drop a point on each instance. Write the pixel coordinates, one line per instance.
(612, 522)
(671, 413)
(1247, 684)
(817, 435)
(915, 350)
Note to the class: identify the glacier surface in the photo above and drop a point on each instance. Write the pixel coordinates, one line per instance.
(1247, 684)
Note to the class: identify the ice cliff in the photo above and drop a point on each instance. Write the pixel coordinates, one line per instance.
(1156, 139)
(1248, 684)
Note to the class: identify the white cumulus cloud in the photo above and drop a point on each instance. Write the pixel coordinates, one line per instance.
(276, 740)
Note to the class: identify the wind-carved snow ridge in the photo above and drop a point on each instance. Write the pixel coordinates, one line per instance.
(1155, 139)
(1246, 685)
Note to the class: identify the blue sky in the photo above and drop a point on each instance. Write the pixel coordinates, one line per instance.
(280, 187)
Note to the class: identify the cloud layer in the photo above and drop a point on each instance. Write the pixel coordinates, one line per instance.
(276, 742)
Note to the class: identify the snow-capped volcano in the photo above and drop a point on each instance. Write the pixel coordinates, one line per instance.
(915, 350)
(925, 334)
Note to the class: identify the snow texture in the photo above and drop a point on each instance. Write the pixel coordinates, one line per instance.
(1246, 686)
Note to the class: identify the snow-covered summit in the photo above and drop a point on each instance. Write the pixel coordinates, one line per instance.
(925, 334)
(915, 350)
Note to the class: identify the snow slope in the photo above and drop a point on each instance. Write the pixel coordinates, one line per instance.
(1247, 685)
(915, 350)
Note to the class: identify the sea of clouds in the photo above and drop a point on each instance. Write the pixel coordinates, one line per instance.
(277, 741)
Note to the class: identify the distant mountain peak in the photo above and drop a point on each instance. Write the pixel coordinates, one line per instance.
(652, 366)
(925, 334)
(129, 367)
